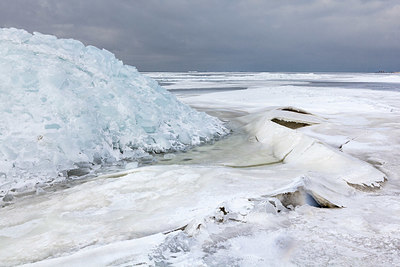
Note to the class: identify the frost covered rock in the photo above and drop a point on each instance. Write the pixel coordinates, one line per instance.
(63, 103)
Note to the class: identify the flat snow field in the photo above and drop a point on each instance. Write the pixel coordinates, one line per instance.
(309, 176)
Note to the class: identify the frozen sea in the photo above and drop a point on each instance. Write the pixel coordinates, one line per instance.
(102, 166)
(308, 176)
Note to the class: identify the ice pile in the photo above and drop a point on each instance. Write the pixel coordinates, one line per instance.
(64, 103)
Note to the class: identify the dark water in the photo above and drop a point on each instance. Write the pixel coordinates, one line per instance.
(354, 85)
(242, 81)
(206, 90)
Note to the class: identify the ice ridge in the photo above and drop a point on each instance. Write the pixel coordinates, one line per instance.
(64, 103)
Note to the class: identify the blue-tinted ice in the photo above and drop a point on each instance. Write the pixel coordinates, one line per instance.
(64, 103)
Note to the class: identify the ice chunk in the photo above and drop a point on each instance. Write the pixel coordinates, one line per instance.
(291, 146)
(63, 103)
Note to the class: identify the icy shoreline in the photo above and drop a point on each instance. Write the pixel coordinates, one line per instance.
(310, 176)
(201, 214)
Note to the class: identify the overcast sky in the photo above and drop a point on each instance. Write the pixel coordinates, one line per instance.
(224, 35)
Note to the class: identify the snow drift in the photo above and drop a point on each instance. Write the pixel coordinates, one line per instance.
(64, 103)
(294, 147)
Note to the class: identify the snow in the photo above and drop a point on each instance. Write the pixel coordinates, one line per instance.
(246, 200)
(309, 176)
(65, 104)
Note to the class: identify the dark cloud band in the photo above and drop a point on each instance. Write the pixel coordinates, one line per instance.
(329, 35)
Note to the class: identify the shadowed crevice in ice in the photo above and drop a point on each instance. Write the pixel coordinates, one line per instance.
(295, 118)
(301, 197)
(290, 124)
(295, 110)
(368, 188)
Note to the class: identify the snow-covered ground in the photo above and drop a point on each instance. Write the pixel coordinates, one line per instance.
(309, 176)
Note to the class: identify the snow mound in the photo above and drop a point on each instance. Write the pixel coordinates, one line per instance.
(290, 146)
(64, 103)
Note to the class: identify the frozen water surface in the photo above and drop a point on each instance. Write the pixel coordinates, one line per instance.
(309, 176)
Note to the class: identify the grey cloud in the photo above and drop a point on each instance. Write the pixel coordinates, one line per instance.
(324, 35)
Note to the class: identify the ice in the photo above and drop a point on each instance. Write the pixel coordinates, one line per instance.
(161, 199)
(63, 103)
(309, 177)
